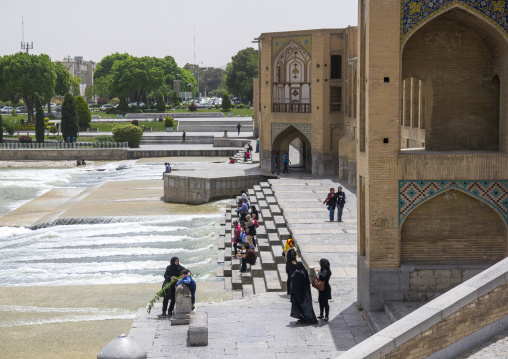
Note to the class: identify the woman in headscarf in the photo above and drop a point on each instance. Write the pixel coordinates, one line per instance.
(331, 202)
(251, 230)
(289, 255)
(237, 238)
(324, 274)
(172, 271)
(301, 297)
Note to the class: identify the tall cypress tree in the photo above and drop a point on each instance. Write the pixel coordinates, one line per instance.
(39, 120)
(1, 129)
(69, 125)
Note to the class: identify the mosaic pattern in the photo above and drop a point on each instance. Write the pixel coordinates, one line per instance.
(304, 128)
(413, 193)
(304, 41)
(415, 12)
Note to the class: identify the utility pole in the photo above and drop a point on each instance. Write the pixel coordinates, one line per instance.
(24, 46)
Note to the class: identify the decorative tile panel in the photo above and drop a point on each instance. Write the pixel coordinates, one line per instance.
(416, 12)
(304, 41)
(413, 193)
(305, 129)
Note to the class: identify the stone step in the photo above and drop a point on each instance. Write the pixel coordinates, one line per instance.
(378, 320)
(261, 232)
(265, 185)
(398, 310)
(236, 264)
(267, 191)
(223, 221)
(267, 215)
(221, 257)
(260, 196)
(262, 244)
(257, 188)
(236, 280)
(270, 227)
(227, 268)
(253, 200)
(233, 203)
(267, 260)
(227, 255)
(228, 216)
(220, 271)
(228, 209)
(247, 277)
(263, 204)
(272, 281)
(222, 231)
(275, 209)
(222, 244)
(277, 254)
(281, 268)
(271, 200)
(237, 294)
(251, 192)
(283, 234)
(259, 285)
(279, 221)
(215, 247)
(257, 269)
(228, 284)
(248, 290)
(274, 240)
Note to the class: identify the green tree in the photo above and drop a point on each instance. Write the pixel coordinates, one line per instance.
(103, 68)
(69, 124)
(174, 98)
(39, 120)
(84, 115)
(226, 102)
(161, 105)
(63, 82)
(1, 129)
(240, 73)
(123, 106)
(11, 125)
(26, 75)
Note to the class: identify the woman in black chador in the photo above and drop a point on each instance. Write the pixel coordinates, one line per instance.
(324, 275)
(289, 255)
(172, 270)
(301, 298)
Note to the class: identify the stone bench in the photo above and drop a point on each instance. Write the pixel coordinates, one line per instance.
(147, 129)
(92, 129)
(197, 334)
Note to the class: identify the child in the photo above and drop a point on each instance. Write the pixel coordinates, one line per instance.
(186, 278)
(243, 235)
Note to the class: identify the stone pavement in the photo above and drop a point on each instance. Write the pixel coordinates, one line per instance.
(259, 326)
(496, 347)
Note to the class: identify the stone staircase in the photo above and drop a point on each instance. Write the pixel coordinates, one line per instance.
(393, 311)
(269, 272)
(216, 125)
(239, 157)
(155, 139)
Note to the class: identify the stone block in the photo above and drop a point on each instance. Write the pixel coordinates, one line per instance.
(271, 200)
(274, 240)
(197, 334)
(279, 221)
(222, 244)
(267, 260)
(272, 281)
(264, 185)
(389, 281)
(183, 305)
(263, 204)
(434, 279)
(267, 215)
(270, 227)
(259, 285)
(275, 209)
(227, 254)
(283, 234)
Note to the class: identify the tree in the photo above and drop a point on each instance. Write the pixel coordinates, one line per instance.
(123, 106)
(26, 75)
(161, 105)
(63, 82)
(226, 102)
(1, 129)
(240, 73)
(69, 124)
(39, 120)
(84, 115)
(174, 98)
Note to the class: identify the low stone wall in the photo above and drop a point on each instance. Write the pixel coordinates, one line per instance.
(91, 154)
(196, 190)
(229, 142)
(135, 154)
(456, 321)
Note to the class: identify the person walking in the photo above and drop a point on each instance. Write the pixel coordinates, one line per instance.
(285, 161)
(325, 295)
(331, 202)
(289, 255)
(341, 201)
(257, 145)
(183, 136)
(276, 164)
(301, 297)
(238, 127)
(172, 272)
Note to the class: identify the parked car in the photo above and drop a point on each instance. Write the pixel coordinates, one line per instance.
(21, 109)
(7, 110)
(106, 106)
(134, 104)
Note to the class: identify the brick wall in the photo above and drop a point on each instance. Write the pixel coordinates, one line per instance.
(474, 316)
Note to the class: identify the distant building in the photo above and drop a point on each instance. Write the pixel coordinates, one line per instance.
(81, 69)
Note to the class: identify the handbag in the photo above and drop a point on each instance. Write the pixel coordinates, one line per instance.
(318, 284)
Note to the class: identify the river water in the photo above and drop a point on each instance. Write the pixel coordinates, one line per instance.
(125, 250)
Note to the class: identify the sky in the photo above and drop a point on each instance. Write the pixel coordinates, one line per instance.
(94, 29)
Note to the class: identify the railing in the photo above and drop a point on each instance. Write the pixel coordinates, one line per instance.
(62, 146)
(291, 107)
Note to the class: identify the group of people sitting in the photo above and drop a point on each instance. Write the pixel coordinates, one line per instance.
(80, 163)
(244, 231)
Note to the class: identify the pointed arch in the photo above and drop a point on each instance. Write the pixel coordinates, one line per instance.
(284, 134)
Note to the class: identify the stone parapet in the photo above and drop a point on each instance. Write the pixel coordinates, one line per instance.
(92, 154)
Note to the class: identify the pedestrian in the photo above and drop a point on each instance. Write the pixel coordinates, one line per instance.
(331, 202)
(238, 127)
(251, 230)
(254, 211)
(237, 236)
(172, 272)
(325, 295)
(257, 145)
(183, 136)
(83, 163)
(289, 255)
(285, 161)
(301, 297)
(341, 201)
(248, 256)
(243, 211)
(186, 278)
(249, 149)
(276, 164)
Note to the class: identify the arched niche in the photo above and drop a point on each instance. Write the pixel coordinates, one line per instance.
(456, 55)
(453, 228)
(292, 135)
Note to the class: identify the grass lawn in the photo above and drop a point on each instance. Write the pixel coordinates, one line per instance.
(156, 126)
(241, 112)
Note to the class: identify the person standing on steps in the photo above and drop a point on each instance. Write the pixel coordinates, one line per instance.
(276, 164)
(172, 272)
(238, 127)
(183, 136)
(341, 201)
(289, 255)
(237, 236)
(301, 297)
(331, 202)
(324, 274)
(285, 161)
(257, 145)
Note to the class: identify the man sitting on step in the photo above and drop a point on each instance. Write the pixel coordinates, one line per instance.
(248, 255)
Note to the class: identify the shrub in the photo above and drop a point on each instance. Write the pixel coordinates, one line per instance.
(53, 129)
(193, 107)
(161, 105)
(217, 106)
(25, 139)
(104, 138)
(168, 122)
(115, 101)
(11, 125)
(69, 124)
(84, 115)
(138, 110)
(39, 121)
(128, 133)
(226, 102)
(135, 122)
(1, 129)
(13, 112)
